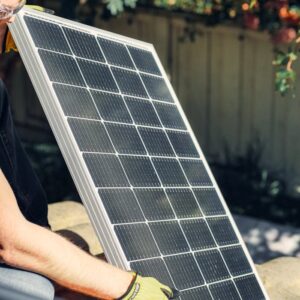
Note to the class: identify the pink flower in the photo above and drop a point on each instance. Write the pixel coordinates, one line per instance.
(284, 36)
(251, 21)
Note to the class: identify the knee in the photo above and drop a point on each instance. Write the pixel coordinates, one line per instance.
(42, 288)
(25, 285)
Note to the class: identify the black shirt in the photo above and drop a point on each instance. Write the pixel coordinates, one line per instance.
(17, 169)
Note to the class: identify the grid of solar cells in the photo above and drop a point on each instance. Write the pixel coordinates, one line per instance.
(149, 175)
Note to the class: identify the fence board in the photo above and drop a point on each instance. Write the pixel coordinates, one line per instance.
(190, 76)
(263, 93)
(292, 140)
(248, 46)
(216, 87)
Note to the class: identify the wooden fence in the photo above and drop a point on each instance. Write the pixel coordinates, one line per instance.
(225, 82)
(224, 79)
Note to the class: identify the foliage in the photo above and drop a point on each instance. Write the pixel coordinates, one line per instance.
(285, 74)
(116, 6)
(258, 178)
(253, 190)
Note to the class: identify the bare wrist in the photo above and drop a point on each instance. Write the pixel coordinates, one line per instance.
(125, 284)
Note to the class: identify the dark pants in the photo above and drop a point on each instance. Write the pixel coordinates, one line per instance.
(17, 169)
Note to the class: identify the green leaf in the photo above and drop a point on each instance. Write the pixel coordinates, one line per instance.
(252, 3)
(115, 6)
(130, 3)
(293, 56)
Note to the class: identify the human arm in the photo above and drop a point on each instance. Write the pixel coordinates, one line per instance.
(34, 248)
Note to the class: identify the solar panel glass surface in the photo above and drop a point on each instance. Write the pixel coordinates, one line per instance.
(164, 213)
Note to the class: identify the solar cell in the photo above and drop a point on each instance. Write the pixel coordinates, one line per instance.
(84, 45)
(195, 172)
(184, 203)
(138, 107)
(133, 166)
(156, 142)
(144, 60)
(184, 271)
(198, 234)
(209, 201)
(196, 294)
(61, 68)
(137, 241)
(105, 170)
(212, 265)
(248, 288)
(182, 144)
(129, 82)
(111, 107)
(97, 75)
(116, 53)
(153, 267)
(76, 102)
(121, 206)
(90, 136)
(222, 230)
(224, 290)
(47, 35)
(154, 204)
(134, 159)
(169, 237)
(125, 138)
(169, 172)
(169, 116)
(157, 88)
(236, 260)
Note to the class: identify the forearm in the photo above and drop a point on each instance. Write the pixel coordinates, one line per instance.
(34, 248)
(41, 251)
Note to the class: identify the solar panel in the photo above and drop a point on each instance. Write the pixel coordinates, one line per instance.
(146, 185)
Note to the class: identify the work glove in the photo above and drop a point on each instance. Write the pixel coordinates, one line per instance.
(147, 288)
(8, 42)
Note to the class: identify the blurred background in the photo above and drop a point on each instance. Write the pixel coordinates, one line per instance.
(233, 66)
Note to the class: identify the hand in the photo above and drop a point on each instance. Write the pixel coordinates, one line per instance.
(8, 43)
(147, 288)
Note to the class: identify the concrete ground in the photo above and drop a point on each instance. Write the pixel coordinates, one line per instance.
(266, 240)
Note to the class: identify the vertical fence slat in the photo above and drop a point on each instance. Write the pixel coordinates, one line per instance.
(292, 139)
(247, 93)
(279, 132)
(225, 82)
(231, 96)
(190, 76)
(262, 117)
(216, 88)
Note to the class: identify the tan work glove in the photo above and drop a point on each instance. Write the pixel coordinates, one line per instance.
(9, 43)
(147, 288)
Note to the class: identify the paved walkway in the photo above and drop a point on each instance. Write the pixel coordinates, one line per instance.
(266, 240)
